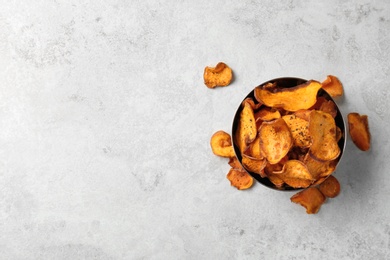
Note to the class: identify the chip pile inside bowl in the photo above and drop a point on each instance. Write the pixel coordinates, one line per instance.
(291, 138)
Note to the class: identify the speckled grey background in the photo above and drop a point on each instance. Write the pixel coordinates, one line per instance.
(105, 125)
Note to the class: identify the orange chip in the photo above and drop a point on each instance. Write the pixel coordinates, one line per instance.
(322, 129)
(310, 198)
(330, 187)
(252, 103)
(299, 129)
(255, 166)
(303, 114)
(267, 114)
(246, 130)
(275, 140)
(274, 178)
(221, 144)
(333, 86)
(329, 106)
(359, 131)
(235, 164)
(240, 179)
(296, 174)
(221, 75)
(299, 97)
(319, 169)
(339, 134)
(253, 150)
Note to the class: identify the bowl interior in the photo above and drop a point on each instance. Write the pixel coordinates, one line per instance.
(285, 83)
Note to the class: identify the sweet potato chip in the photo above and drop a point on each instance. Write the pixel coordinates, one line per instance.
(267, 114)
(221, 144)
(274, 169)
(319, 169)
(333, 86)
(278, 182)
(299, 129)
(253, 150)
(359, 130)
(218, 76)
(240, 179)
(303, 114)
(329, 107)
(255, 166)
(254, 105)
(299, 97)
(322, 129)
(339, 134)
(310, 198)
(330, 187)
(235, 164)
(275, 140)
(246, 130)
(296, 174)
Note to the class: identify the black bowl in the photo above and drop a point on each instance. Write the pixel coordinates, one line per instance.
(286, 82)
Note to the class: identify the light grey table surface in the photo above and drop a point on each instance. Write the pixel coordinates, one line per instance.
(105, 126)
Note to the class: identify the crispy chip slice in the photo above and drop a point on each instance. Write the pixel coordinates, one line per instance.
(240, 179)
(274, 178)
(319, 169)
(329, 107)
(333, 86)
(255, 166)
(303, 114)
(339, 134)
(310, 198)
(296, 174)
(330, 187)
(221, 144)
(218, 76)
(267, 114)
(275, 140)
(246, 130)
(299, 129)
(253, 150)
(274, 169)
(299, 97)
(359, 130)
(254, 105)
(322, 129)
(235, 164)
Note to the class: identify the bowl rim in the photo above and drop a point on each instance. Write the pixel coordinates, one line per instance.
(340, 122)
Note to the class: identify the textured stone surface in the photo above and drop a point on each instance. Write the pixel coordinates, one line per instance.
(105, 125)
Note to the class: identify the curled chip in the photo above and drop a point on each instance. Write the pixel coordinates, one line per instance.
(275, 140)
(322, 129)
(310, 198)
(333, 86)
(256, 166)
(299, 129)
(235, 164)
(319, 169)
(296, 174)
(330, 187)
(359, 130)
(267, 114)
(303, 114)
(302, 96)
(246, 131)
(276, 180)
(329, 107)
(221, 144)
(221, 75)
(253, 150)
(240, 179)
